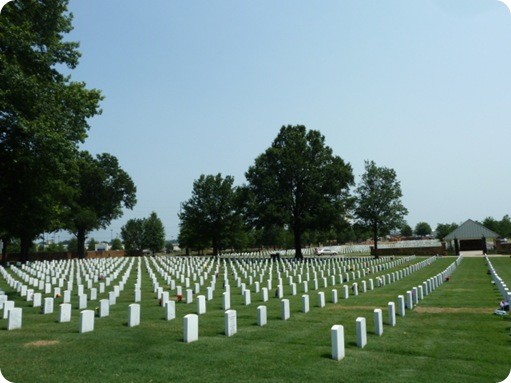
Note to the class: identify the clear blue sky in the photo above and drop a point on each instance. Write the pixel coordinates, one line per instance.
(203, 87)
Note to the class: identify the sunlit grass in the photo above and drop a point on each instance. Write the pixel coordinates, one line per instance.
(451, 336)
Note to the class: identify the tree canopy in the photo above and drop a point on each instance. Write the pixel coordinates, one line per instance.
(422, 229)
(406, 230)
(378, 204)
(502, 227)
(132, 234)
(144, 233)
(100, 190)
(210, 217)
(43, 116)
(299, 183)
(442, 229)
(154, 233)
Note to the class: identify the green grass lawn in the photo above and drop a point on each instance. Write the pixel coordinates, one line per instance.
(451, 336)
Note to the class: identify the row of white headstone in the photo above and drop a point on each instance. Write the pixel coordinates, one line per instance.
(191, 323)
(499, 282)
(413, 297)
(15, 318)
(201, 300)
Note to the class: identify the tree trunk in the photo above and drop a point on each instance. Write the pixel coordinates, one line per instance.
(375, 239)
(5, 242)
(80, 238)
(26, 244)
(215, 247)
(298, 242)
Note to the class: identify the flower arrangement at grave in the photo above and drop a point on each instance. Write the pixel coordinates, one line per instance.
(96, 310)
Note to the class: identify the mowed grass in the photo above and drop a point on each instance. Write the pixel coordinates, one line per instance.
(451, 336)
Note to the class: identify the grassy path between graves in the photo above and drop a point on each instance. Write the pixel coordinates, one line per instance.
(451, 336)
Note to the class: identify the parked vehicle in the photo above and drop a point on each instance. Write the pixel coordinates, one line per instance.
(325, 251)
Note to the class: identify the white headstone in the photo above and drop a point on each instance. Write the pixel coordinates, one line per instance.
(392, 313)
(14, 318)
(321, 299)
(82, 302)
(137, 295)
(401, 305)
(305, 303)
(36, 300)
(191, 328)
(355, 289)
(409, 300)
(285, 309)
(48, 306)
(265, 294)
(112, 297)
(133, 315)
(247, 298)
(104, 308)
(201, 304)
(335, 297)
(86, 321)
(189, 296)
(378, 322)
(261, 315)
(361, 332)
(65, 312)
(170, 310)
(346, 291)
(337, 334)
(67, 296)
(230, 323)
(164, 298)
(93, 294)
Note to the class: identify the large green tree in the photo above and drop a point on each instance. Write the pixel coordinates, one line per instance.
(210, 217)
(100, 190)
(154, 233)
(406, 230)
(132, 234)
(300, 184)
(442, 229)
(502, 227)
(378, 201)
(43, 116)
(422, 229)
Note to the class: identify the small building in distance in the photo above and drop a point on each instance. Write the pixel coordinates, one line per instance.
(470, 236)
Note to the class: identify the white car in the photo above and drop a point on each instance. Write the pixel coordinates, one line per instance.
(326, 252)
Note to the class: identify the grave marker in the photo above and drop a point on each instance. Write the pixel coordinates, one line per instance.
(361, 332)
(285, 309)
(15, 318)
(48, 306)
(230, 323)
(133, 315)
(86, 321)
(65, 312)
(191, 328)
(378, 322)
(337, 335)
(261, 315)
(170, 310)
